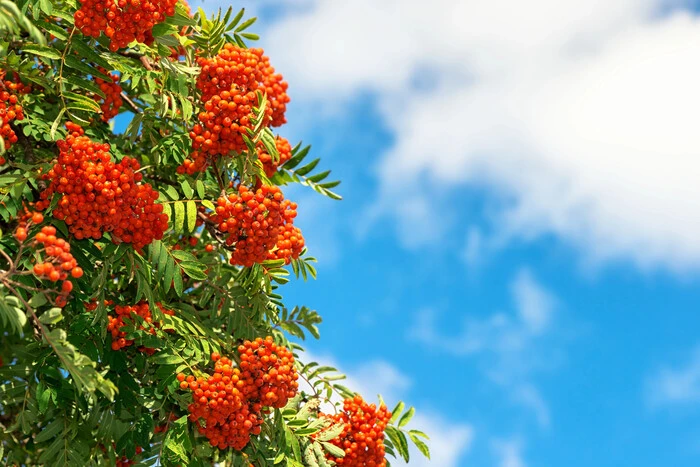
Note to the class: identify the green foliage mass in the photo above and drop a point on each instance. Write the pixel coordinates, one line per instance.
(67, 398)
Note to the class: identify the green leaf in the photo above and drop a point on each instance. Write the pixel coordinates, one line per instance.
(11, 317)
(191, 215)
(194, 270)
(80, 367)
(308, 167)
(208, 204)
(43, 396)
(81, 83)
(396, 412)
(42, 51)
(88, 53)
(234, 22)
(310, 459)
(183, 255)
(177, 284)
(333, 450)
(418, 433)
(246, 24)
(186, 189)
(201, 192)
(398, 439)
(38, 299)
(165, 357)
(50, 431)
(422, 447)
(56, 122)
(75, 63)
(331, 433)
(172, 193)
(407, 417)
(179, 216)
(52, 316)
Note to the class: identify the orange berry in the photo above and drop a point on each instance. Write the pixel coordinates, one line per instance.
(21, 234)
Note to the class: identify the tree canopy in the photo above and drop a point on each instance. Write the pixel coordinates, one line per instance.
(142, 264)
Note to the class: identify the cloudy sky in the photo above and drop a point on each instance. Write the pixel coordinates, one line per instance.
(518, 251)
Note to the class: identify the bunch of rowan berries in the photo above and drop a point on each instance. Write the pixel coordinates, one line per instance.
(112, 101)
(290, 244)
(284, 149)
(362, 438)
(270, 369)
(227, 116)
(232, 400)
(116, 325)
(98, 195)
(10, 109)
(275, 87)
(218, 400)
(230, 82)
(255, 222)
(58, 262)
(122, 21)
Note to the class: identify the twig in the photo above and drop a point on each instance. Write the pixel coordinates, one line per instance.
(146, 63)
(130, 102)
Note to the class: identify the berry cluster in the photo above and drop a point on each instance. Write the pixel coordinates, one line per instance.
(123, 21)
(270, 368)
(226, 118)
(219, 400)
(275, 87)
(231, 401)
(112, 102)
(98, 195)
(58, 262)
(116, 324)
(257, 222)
(10, 110)
(362, 438)
(229, 83)
(290, 244)
(285, 152)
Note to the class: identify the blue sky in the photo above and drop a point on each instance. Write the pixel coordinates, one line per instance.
(518, 250)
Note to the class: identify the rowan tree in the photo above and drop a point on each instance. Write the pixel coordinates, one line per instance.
(141, 268)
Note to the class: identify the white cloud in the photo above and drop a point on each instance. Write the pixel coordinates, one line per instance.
(579, 117)
(449, 440)
(506, 344)
(676, 385)
(534, 303)
(508, 453)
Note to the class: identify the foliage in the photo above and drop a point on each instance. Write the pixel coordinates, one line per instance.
(66, 396)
